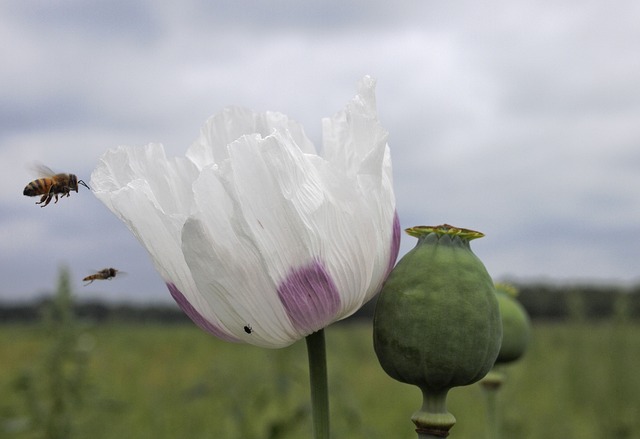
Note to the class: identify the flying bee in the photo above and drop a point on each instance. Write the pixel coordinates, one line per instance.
(51, 185)
(104, 274)
(248, 329)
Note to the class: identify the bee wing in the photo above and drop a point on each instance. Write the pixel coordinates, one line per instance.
(120, 273)
(42, 170)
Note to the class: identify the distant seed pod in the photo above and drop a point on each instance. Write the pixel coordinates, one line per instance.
(516, 326)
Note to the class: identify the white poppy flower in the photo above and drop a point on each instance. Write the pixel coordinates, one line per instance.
(260, 238)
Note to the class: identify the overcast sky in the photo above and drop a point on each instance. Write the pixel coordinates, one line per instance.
(517, 119)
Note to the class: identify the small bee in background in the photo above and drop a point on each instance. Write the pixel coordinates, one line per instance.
(248, 329)
(51, 185)
(104, 274)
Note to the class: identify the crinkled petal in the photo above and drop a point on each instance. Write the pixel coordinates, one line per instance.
(299, 213)
(232, 123)
(353, 139)
(258, 228)
(228, 269)
(133, 183)
(356, 144)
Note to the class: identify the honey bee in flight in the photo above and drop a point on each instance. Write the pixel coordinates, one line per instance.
(104, 274)
(51, 185)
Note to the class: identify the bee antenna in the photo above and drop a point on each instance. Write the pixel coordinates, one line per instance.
(84, 184)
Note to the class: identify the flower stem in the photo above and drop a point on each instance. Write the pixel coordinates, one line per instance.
(491, 385)
(319, 388)
(433, 420)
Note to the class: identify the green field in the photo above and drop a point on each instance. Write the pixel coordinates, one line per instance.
(577, 380)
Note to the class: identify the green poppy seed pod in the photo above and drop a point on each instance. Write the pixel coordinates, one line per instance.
(516, 326)
(437, 323)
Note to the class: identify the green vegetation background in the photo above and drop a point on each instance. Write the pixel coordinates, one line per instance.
(578, 379)
(72, 373)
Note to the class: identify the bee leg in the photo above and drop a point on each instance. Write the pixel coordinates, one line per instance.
(90, 281)
(46, 198)
(56, 199)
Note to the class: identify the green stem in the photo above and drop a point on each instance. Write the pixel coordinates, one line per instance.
(319, 388)
(433, 420)
(491, 384)
(493, 423)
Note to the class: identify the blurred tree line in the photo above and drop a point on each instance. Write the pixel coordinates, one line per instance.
(543, 301)
(95, 312)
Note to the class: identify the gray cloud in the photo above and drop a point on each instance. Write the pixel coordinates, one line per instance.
(516, 119)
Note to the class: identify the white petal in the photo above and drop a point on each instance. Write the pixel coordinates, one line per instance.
(297, 209)
(234, 122)
(229, 271)
(353, 139)
(148, 192)
(270, 218)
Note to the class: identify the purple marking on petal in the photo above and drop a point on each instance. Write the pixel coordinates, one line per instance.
(310, 297)
(198, 318)
(395, 243)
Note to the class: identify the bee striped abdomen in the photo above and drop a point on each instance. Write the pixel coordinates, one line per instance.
(38, 187)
